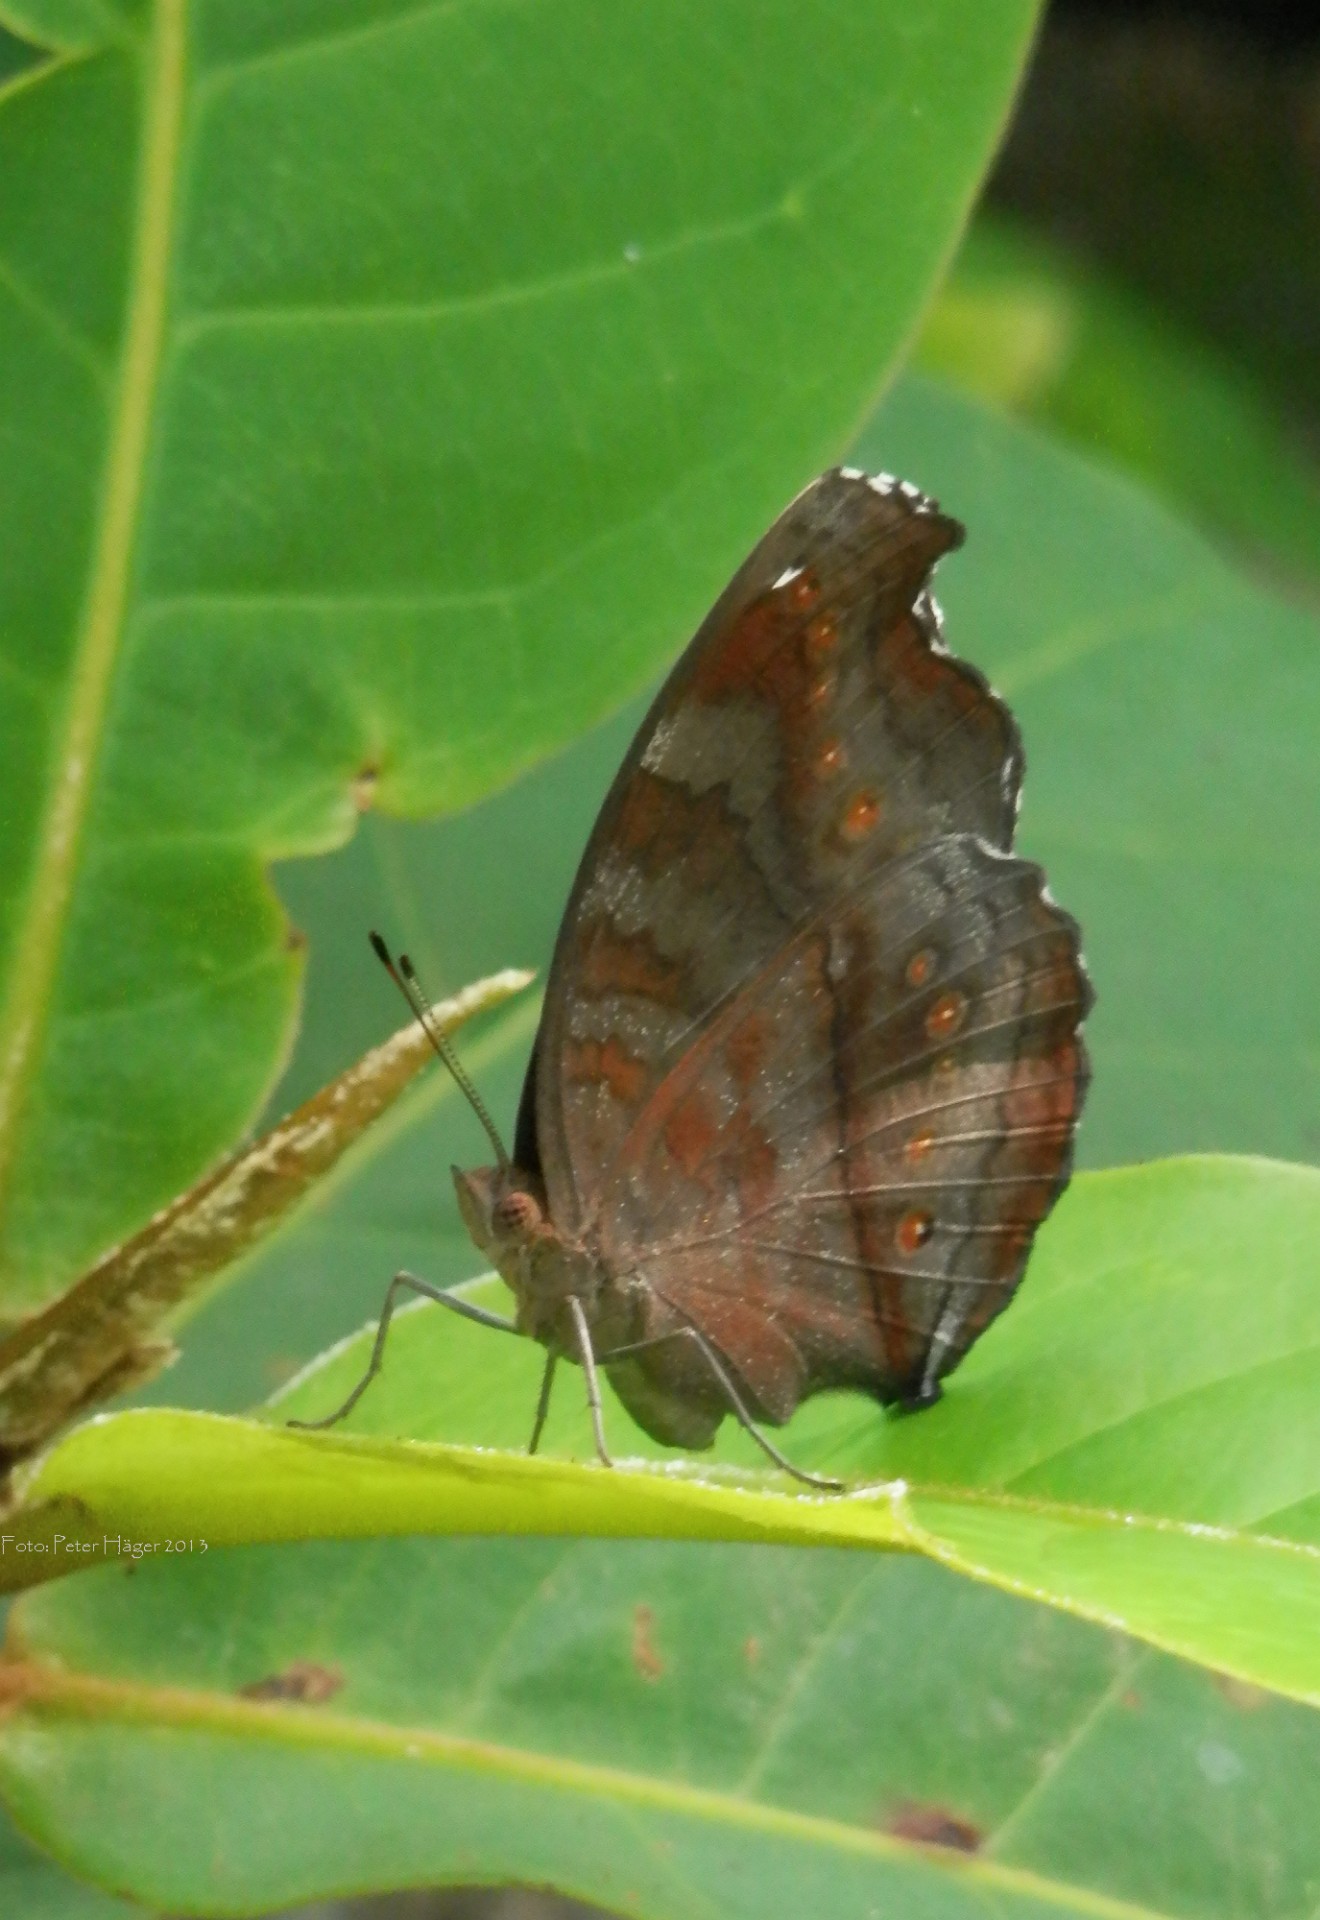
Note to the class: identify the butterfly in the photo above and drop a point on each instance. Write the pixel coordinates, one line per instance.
(810, 1066)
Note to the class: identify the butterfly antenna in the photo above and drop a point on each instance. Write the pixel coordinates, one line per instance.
(404, 976)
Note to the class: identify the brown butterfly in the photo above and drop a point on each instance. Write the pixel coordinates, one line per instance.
(809, 1068)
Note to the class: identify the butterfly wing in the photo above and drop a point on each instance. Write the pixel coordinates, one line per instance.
(809, 1069)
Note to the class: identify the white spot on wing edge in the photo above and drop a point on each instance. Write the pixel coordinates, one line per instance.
(659, 743)
(888, 484)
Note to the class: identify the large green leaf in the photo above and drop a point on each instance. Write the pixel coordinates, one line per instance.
(32, 1886)
(717, 1731)
(393, 384)
(1152, 1787)
(16, 56)
(1073, 1459)
(1169, 709)
(1166, 1307)
(1105, 1384)
(1163, 1791)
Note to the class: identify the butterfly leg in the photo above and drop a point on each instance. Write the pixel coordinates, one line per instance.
(401, 1283)
(543, 1404)
(734, 1398)
(588, 1359)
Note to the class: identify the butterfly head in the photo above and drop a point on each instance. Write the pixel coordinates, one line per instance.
(499, 1210)
(505, 1212)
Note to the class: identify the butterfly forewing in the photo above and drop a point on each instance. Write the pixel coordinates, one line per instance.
(809, 1069)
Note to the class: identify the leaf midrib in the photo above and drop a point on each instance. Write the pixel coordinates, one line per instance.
(76, 743)
(34, 1684)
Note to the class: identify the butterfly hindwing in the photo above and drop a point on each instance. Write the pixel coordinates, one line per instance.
(872, 1190)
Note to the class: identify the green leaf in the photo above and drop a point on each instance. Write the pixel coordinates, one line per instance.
(107, 1330)
(392, 384)
(1076, 1458)
(1169, 709)
(1141, 1781)
(65, 25)
(1165, 1357)
(16, 56)
(1112, 1395)
(32, 1886)
(740, 1733)
(1166, 1308)
(1029, 329)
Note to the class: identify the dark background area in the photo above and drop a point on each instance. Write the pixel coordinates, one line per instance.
(1274, 23)
(1177, 149)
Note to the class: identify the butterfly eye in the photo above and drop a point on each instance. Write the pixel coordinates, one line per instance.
(515, 1213)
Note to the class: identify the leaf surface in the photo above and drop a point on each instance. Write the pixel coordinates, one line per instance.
(666, 1730)
(385, 386)
(1155, 1784)
(1169, 708)
(1058, 1465)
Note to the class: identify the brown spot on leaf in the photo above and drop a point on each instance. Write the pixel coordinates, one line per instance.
(751, 1650)
(644, 1656)
(364, 787)
(305, 1683)
(930, 1825)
